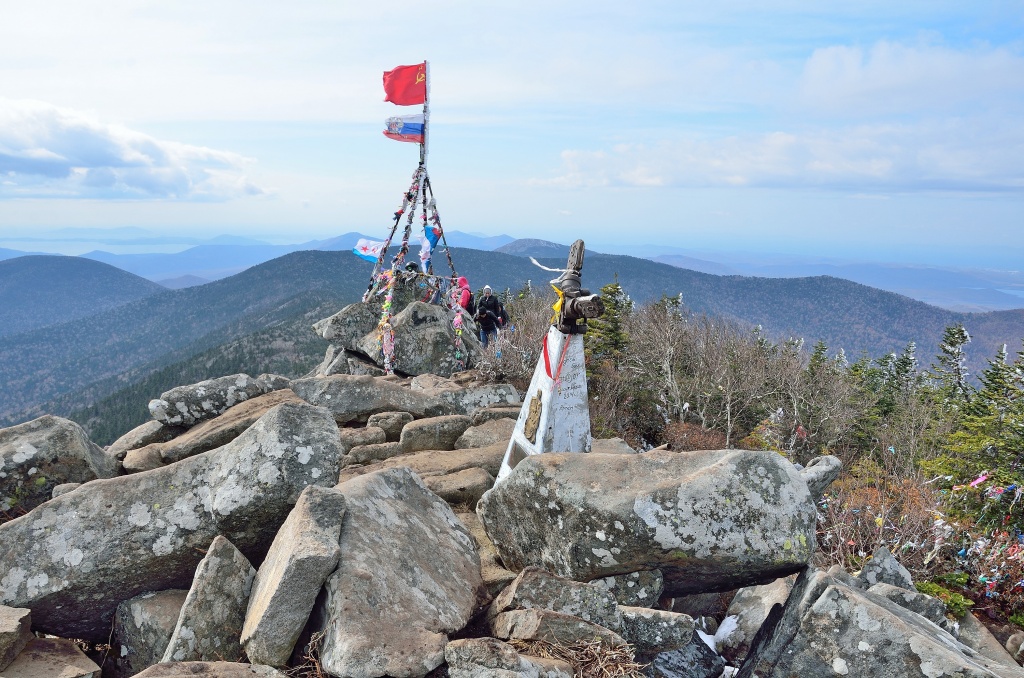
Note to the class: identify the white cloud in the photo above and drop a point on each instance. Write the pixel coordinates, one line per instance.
(46, 151)
(952, 155)
(891, 77)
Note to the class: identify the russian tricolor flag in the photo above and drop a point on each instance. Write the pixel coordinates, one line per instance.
(405, 128)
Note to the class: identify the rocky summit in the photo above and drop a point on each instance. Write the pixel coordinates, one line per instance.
(350, 524)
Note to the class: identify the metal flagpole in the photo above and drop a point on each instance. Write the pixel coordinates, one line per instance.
(426, 114)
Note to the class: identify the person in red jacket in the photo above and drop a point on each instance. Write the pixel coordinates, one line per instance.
(465, 295)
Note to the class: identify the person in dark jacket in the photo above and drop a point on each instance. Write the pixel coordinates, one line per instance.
(490, 315)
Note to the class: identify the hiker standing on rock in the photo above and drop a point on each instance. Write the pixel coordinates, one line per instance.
(490, 315)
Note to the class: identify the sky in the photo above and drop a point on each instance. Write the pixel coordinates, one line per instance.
(868, 130)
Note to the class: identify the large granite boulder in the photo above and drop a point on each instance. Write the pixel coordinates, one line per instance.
(210, 623)
(424, 342)
(536, 588)
(434, 433)
(354, 398)
(828, 628)
(491, 432)
(40, 454)
(748, 609)
(152, 431)
(409, 575)
(142, 629)
(51, 658)
(391, 423)
(188, 405)
(883, 568)
(74, 559)
(346, 327)
(15, 632)
(222, 429)
(492, 658)
(652, 632)
(710, 521)
(696, 660)
(820, 472)
(305, 551)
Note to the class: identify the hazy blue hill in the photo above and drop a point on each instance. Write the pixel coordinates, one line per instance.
(287, 347)
(11, 254)
(952, 289)
(37, 291)
(531, 247)
(211, 262)
(82, 362)
(694, 264)
(40, 365)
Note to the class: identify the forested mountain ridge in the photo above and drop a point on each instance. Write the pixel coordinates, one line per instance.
(37, 291)
(97, 356)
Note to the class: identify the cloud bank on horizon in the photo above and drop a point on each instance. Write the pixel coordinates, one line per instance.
(745, 115)
(50, 152)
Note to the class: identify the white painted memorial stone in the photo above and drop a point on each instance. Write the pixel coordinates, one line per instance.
(555, 416)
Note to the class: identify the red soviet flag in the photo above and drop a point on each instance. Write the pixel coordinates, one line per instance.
(406, 85)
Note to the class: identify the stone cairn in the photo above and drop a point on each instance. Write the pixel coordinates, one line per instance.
(350, 523)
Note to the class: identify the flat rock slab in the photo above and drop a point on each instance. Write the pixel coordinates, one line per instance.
(469, 399)
(367, 454)
(392, 423)
(188, 405)
(40, 454)
(610, 446)
(210, 670)
(362, 435)
(710, 520)
(151, 432)
(482, 416)
(492, 432)
(434, 433)
(51, 658)
(74, 559)
(932, 609)
(462, 487)
(436, 463)
(492, 658)
(636, 589)
(143, 459)
(654, 631)
(305, 551)
(142, 628)
(224, 428)
(15, 632)
(409, 574)
(354, 398)
(209, 627)
(551, 627)
(536, 588)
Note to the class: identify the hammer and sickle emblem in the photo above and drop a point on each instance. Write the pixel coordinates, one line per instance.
(420, 76)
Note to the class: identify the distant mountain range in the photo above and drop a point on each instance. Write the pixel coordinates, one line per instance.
(72, 365)
(37, 291)
(222, 256)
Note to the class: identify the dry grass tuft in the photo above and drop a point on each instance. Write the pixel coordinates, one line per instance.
(588, 659)
(310, 668)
